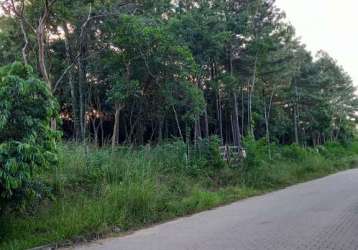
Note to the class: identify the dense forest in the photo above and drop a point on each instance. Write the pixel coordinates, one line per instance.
(114, 114)
(144, 71)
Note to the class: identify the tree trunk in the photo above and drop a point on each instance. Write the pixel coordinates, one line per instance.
(19, 10)
(73, 89)
(236, 122)
(267, 114)
(187, 141)
(295, 114)
(178, 124)
(160, 130)
(26, 40)
(236, 126)
(41, 43)
(206, 122)
(267, 129)
(250, 94)
(82, 74)
(41, 52)
(115, 136)
(102, 131)
(154, 128)
(200, 136)
(233, 130)
(248, 132)
(219, 113)
(242, 112)
(81, 91)
(195, 132)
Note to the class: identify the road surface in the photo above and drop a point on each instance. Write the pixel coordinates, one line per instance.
(321, 214)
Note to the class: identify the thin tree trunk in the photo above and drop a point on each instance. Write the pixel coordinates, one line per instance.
(250, 93)
(41, 52)
(248, 111)
(102, 131)
(18, 10)
(82, 78)
(267, 129)
(133, 128)
(267, 114)
(242, 112)
(200, 136)
(237, 134)
(295, 111)
(195, 132)
(187, 141)
(237, 124)
(233, 130)
(73, 89)
(26, 40)
(81, 86)
(125, 127)
(228, 128)
(140, 134)
(160, 130)
(154, 127)
(115, 136)
(206, 122)
(178, 124)
(41, 41)
(219, 112)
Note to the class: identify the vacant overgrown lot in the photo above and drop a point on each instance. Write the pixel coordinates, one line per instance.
(93, 192)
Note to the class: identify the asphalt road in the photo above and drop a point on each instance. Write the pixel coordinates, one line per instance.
(321, 214)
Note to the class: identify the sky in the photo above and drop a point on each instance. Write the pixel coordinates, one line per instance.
(330, 25)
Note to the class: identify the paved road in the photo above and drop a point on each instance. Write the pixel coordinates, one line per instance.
(321, 214)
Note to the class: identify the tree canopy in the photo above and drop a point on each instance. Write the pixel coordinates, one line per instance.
(144, 71)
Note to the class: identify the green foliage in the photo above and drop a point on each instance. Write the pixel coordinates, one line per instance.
(294, 152)
(256, 152)
(96, 189)
(146, 62)
(209, 148)
(191, 57)
(292, 163)
(27, 143)
(122, 90)
(164, 66)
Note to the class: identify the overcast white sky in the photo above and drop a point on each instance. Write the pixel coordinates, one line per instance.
(331, 25)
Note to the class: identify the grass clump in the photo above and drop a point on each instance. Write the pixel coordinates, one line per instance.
(95, 190)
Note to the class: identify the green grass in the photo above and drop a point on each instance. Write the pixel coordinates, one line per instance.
(131, 188)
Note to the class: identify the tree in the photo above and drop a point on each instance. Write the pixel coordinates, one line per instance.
(121, 91)
(191, 69)
(142, 51)
(27, 143)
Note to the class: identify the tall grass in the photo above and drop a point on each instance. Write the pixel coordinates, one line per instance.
(95, 191)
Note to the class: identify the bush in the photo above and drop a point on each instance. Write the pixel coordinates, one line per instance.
(333, 150)
(26, 141)
(209, 150)
(257, 153)
(294, 152)
(97, 190)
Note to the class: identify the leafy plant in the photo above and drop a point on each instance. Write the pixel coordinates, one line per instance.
(27, 143)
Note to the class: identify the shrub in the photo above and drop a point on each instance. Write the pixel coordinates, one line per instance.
(26, 140)
(257, 152)
(294, 152)
(333, 150)
(209, 152)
